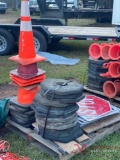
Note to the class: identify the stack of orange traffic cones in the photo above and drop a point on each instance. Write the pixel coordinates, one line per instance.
(27, 76)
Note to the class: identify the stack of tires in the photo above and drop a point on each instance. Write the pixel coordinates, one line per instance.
(95, 81)
(55, 109)
(22, 115)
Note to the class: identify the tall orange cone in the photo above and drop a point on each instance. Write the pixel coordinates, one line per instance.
(27, 53)
(27, 76)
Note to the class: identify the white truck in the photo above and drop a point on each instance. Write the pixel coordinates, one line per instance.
(3, 7)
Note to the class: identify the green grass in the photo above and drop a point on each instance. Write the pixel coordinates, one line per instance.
(70, 49)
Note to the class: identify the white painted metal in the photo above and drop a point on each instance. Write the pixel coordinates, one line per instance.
(116, 12)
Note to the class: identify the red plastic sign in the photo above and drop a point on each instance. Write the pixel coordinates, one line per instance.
(93, 106)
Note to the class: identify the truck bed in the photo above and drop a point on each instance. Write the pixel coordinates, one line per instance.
(99, 32)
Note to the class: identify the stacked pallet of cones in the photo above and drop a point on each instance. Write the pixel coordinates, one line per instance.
(27, 76)
(111, 53)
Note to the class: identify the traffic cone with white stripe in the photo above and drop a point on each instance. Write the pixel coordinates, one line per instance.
(27, 76)
(27, 53)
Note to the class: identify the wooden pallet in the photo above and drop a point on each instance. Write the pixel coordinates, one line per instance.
(64, 151)
(115, 101)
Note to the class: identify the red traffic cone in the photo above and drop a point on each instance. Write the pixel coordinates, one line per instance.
(27, 53)
(26, 96)
(105, 51)
(113, 69)
(109, 89)
(95, 50)
(114, 52)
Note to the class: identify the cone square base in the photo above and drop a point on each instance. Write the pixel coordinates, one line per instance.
(15, 101)
(26, 61)
(26, 87)
(27, 76)
(22, 82)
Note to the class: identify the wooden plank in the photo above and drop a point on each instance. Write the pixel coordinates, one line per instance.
(100, 93)
(106, 132)
(69, 147)
(94, 91)
(73, 30)
(101, 124)
(31, 133)
(82, 138)
(40, 146)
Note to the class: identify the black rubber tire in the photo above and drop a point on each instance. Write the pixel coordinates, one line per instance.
(98, 62)
(3, 12)
(42, 40)
(96, 73)
(8, 37)
(61, 86)
(97, 78)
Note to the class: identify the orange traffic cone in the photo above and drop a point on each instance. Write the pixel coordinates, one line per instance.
(113, 69)
(105, 51)
(27, 53)
(114, 52)
(26, 96)
(111, 89)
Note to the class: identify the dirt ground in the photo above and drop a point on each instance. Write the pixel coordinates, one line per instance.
(9, 17)
(7, 90)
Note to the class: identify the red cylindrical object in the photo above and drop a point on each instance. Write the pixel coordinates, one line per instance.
(114, 52)
(117, 85)
(26, 96)
(105, 51)
(95, 49)
(114, 69)
(109, 89)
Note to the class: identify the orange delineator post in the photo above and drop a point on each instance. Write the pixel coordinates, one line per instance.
(27, 74)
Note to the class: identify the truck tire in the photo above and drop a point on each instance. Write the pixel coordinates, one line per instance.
(7, 42)
(39, 41)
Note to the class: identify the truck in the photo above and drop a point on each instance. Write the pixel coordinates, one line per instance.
(48, 31)
(34, 8)
(3, 7)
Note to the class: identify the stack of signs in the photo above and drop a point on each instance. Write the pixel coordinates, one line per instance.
(93, 108)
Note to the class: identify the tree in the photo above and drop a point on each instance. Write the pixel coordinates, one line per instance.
(15, 5)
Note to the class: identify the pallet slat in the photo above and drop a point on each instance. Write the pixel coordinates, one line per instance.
(101, 124)
(46, 142)
(69, 147)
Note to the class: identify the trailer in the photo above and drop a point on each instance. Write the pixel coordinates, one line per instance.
(101, 10)
(47, 34)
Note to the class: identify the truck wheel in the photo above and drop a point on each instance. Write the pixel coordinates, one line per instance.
(7, 42)
(39, 41)
(3, 12)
